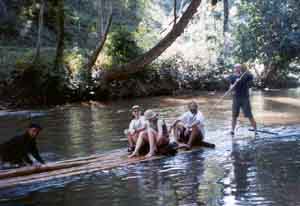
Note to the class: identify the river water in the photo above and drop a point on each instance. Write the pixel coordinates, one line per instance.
(244, 170)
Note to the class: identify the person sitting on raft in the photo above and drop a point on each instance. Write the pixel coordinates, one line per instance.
(189, 128)
(156, 135)
(136, 126)
(15, 152)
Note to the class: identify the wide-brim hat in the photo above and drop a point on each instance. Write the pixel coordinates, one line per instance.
(135, 107)
(150, 114)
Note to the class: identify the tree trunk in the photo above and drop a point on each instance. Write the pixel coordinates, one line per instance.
(175, 12)
(3, 11)
(40, 29)
(123, 71)
(226, 15)
(99, 47)
(58, 64)
(269, 74)
(100, 21)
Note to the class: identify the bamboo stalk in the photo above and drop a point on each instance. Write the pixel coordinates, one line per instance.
(84, 169)
(52, 166)
(104, 161)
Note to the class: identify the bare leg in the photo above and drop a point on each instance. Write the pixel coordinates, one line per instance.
(177, 131)
(233, 125)
(196, 133)
(253, 123)
(139, 144)
(152, 143)
(130, 140)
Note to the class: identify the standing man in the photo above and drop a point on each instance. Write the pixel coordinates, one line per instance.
(241, 80)
(189, 128)
(16, 151)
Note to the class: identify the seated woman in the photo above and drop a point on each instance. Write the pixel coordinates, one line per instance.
(156, 135)
(137, 125)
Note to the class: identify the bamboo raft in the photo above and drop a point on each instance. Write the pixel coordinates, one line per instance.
(69, 168)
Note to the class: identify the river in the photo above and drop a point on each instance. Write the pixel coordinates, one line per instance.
(244, 170)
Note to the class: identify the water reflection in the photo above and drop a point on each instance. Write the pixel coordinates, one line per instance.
(171, 181)
(240, 171)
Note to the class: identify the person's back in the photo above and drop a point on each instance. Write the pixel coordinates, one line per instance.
(16, 151)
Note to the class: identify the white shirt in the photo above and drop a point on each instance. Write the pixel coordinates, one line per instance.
(136, 124)
(189, 119)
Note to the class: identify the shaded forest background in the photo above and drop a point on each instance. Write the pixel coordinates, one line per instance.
(58, 51)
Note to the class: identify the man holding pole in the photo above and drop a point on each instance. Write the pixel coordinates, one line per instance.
(240, 82)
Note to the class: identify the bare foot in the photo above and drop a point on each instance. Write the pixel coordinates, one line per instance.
(134, 154)
(150, 154)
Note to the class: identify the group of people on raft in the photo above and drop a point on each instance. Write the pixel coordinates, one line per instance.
(147, 134)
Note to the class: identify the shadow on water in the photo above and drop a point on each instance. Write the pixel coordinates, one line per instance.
(240, 171)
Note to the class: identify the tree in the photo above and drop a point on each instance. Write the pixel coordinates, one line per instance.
(123, 71)
(58, 63)
(269, 33)
(40, 28)
(3, 10)
(102, 39)
(226, 15)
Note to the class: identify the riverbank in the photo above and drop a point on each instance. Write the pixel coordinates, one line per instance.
(29, 89)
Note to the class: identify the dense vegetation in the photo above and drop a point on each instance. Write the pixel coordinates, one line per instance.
(269, 34)
(66, 50)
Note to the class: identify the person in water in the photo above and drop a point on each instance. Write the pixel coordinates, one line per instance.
(241, 80)
(189, 128)
(15, 152)
(156, 135)
(136, 126)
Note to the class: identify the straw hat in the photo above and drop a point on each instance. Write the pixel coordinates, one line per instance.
(149, 114)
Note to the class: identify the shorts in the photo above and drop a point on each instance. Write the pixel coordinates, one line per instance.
(243, 103)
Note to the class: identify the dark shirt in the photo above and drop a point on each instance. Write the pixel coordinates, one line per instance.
(17, 150)
(241, 89)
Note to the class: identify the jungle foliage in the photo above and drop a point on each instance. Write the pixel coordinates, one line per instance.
(269, 33)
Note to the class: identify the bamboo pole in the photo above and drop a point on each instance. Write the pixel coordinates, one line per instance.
(52, 166)
(105, 161)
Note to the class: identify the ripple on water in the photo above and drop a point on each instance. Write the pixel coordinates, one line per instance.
(265, 173)
(259, 171)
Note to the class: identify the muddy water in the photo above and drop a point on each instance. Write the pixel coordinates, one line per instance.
(240, 171)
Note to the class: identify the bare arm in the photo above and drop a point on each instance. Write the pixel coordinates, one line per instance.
(35, 153)
(174, 123)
